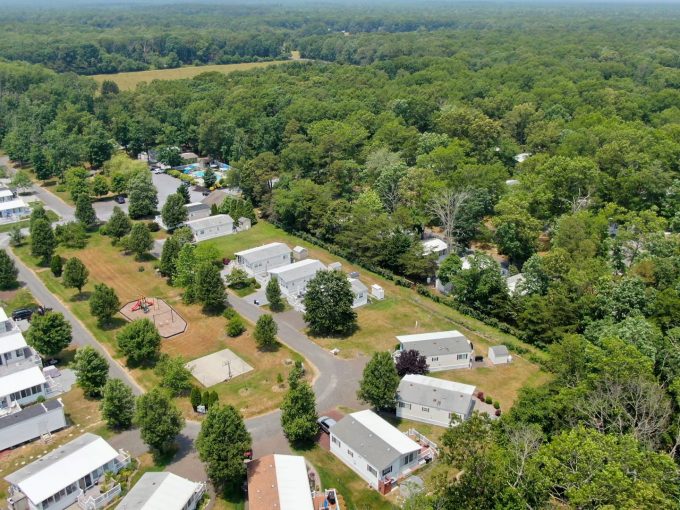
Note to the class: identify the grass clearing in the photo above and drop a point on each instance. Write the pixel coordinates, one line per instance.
(404, 312)
(128, 81)
(254, 393)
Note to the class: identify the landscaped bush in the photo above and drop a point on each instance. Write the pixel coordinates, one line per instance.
(229, 313)
(480, 396)
(153, 226)
(496, 404)
(488, 399)
(236, 326)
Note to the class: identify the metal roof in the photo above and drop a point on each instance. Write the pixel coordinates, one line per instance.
(30, 412)
(438, 393)
(159, 491)
(18, 381)
(196, 206)
(209, 221)
(434, 245)
(263, 252)
(12, 340)
(62, 467)
(357, 285)
(500, 350)
(437, 343)
(297, 270)
(373, 438)
(279, 482)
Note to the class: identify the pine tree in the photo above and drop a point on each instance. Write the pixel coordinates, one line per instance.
(273, 293)
(8, 272)
(57, 265)
(195, 397)
(183, 190)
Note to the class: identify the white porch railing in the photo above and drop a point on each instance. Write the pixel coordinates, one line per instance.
(423, 440)
(91, 503)
(52, 387)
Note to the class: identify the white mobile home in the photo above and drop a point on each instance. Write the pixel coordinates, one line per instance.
(260, 260)
(211, 227)
(163, 491)
(435, 401)
(31, 423)
(435, 246)
(12, 208)
(293, 279)
(360, 292)
(65, 476)
(22, 387)
(499, 355)
(444, 350)
(197, 210)
(374, 449)
(279, 482)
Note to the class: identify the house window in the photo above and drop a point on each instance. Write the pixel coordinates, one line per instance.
(405, 405)
(19, 353)
(335, 440)
(371, 470)
(434, 358)
(350, 452)
(387, 471)
(461, 356)
(409, 458)
(425, 409)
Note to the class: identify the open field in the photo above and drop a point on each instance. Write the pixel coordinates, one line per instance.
(128, 81)
(402, 312)
(253, 393)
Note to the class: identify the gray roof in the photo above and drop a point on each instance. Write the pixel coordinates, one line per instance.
(29, 413)
(372, 447)
(216, 197)
(209, 221)
(297, 270)
(500, 350)
(196, 206)
(357, 286)
(437, 393)
(159, 490)
(51, 458)
(263, 252)
(436, 344)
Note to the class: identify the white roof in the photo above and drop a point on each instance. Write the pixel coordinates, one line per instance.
(159, 491)
(3, 315)
(298, 270)
(357, 285)
(292, 482)
(442, 384)
(13, 204)
(209, 221)
(427, 337)
(17, 381)
(263, 252)
(513, 281)
(381, 428)
(62, 467)
(433, 246)
(12, 341)
(4, 192)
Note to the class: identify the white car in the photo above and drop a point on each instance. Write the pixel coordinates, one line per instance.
(157, 171)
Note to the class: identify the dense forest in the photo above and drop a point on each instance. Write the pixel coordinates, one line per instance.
(413, 122)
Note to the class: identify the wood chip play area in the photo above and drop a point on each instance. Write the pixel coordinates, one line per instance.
(166, 319)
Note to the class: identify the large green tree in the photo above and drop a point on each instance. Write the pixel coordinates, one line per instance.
(43, 241)
(119, 224)
(104, 303)
(75, 274)
(159, 421)
(174, 213)
(209, 287)
(118, 404)
(139, 241)
(142, 195)
(49, 334)
(8, 272)
(140, 342)
(265, 332)
(379, 382)
(85, 212)
(328, 305)
(298, 413)
(92, 371)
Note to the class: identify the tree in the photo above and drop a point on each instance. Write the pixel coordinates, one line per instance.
(76, 182)
(49, 334)
(159, 421)
(142, 195)
(21, 180)
(75, 274)
(71, 235)
(92, 371)
(169, 256)
(104, 303)
(236, 326)
(100, 186)
(43, 241)
(118, 405)
(222, 444)
(447, 206)
(209, 178)
(174, 213)
(209, 287)
(183, 191)
(378, 385)
(265, 332)
(140, 342)
(119, 224)
(174, 375)
(170, 155)
(85, 212)
(273, 293)
(139, 241)
(412, 362)
(238, 278)
(57, 265)
(8, 272)
(328, 303)
(38, 213)
(195, 397)
(16, 237)
(298, 413)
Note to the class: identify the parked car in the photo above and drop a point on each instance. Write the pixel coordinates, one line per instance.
(157, 171)
(325, 423)
(21, 314)
(206, 193)
(120, 199)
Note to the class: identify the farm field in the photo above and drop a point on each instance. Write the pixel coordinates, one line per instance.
(253, 393)
(128, 81)
(402, 312)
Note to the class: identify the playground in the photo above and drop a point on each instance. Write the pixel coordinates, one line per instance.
(165, 318)
(218, 367)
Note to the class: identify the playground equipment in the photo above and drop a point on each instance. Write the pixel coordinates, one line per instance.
(143, 304)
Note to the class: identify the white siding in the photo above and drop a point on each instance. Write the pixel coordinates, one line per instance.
(201, 234)
(264, 265)
(424, 414)
(32, 429)
(449, 361)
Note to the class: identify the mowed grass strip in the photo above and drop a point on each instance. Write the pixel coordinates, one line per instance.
(128, 81)
(404, 312)
(254, 393)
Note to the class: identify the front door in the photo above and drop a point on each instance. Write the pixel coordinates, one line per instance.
(88, 480)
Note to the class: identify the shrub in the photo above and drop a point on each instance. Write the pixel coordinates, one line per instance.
(236, 326)
(496, 404)
(498, 412)
(488, 400)
(480, 396)
(229, 313)
(153, 226)
(57, 265)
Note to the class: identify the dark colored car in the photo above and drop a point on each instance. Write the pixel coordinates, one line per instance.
(21, 314)
(120, 199)
(206, 193)
(325, 423)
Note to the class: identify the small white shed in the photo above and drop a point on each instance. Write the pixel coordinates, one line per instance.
(377, 291)
(300, 253)
(499, 355)
(335, 266)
